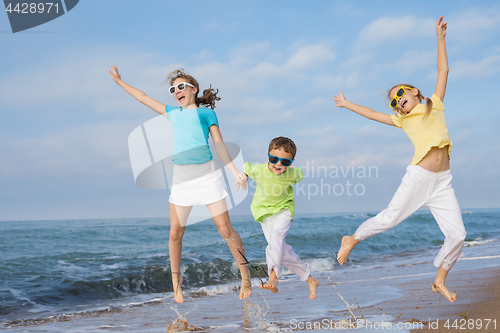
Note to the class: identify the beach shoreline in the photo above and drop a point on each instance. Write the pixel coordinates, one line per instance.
(477, 306)
(88, 284)
(478, 290)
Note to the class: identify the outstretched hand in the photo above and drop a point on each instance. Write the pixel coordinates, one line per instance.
(241, 180)
(441, 27)
(115, 75)
(340, 100)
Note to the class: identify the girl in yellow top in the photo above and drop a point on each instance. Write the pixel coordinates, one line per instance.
(427, 181)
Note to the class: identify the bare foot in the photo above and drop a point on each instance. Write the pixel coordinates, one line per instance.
(272, 284)
(176, 282)
(246, 288)
(313, 284)
(452, 297)
(348, 243)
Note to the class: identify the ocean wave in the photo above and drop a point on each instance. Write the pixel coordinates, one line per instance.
(219, 289)
(60, 317)
(478, 241)
(359, 216)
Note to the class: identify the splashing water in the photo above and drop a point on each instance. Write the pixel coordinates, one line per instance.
(180, 324)
(255, 316)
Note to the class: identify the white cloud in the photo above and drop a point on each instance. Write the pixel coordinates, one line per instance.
(466, 69)
(392, 31)
(82, 80)
(309, 56)
(89, 151)
(266, 110)
(341, 81)
(248, 52)
(474, 25)
(328, 130)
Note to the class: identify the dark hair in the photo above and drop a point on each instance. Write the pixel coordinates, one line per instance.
(428, 102)
(209, 95)
(285, 143)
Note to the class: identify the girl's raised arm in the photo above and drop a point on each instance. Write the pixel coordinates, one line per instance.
(383, 118)
(136, 93)
(442, 61)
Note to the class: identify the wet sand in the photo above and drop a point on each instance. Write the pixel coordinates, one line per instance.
(398, 295)
(478, 302)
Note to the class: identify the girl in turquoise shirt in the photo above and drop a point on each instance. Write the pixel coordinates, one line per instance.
(192, 125)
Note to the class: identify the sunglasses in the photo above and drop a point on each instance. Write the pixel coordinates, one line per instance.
(284, 161)
(400, 93)
(180, 87)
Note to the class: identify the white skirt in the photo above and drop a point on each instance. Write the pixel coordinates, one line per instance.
(197, 184)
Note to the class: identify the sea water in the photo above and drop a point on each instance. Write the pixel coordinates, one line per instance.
(56, 270)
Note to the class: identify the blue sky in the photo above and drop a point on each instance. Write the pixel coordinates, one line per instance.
(277, 64)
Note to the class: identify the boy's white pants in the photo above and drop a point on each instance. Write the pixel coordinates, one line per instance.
(421, 187)
(278, 252)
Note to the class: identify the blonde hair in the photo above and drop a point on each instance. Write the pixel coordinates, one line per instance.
(428, 103)
(209, 95)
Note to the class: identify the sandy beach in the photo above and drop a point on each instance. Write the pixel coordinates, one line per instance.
(479, 302)
(395, 297)
(385, 287)
(479, 292)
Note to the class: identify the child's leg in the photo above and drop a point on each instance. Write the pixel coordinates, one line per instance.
(275, 230)
(292, 261)
(177, 213)
(274, 251)
(446, 210)
(219, 213)
(438, 285)
(410, 196)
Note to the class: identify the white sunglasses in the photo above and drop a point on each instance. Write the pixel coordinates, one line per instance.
(180, 87)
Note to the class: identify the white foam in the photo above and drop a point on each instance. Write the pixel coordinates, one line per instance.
(218, 289)
(478, 241)
(321, 264)
(227, 326)
(317, 265)
(484, 257)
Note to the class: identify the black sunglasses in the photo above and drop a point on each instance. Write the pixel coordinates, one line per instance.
(284, 161)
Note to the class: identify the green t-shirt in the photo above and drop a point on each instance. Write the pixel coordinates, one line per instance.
(274, 192)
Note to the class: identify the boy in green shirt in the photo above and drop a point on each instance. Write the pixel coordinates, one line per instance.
(273, 206)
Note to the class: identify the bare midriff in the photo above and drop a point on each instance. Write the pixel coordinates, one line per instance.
(436, 160)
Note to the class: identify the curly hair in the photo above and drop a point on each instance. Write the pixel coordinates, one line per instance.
(428, 103)
(209, 95)
(285, 143)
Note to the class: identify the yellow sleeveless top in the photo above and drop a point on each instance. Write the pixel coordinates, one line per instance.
(424, 135)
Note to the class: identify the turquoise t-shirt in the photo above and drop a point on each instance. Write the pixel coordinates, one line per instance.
(274, 192)
(191, 128)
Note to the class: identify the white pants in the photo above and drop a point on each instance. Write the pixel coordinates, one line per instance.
(278, 252)
(421, 187)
